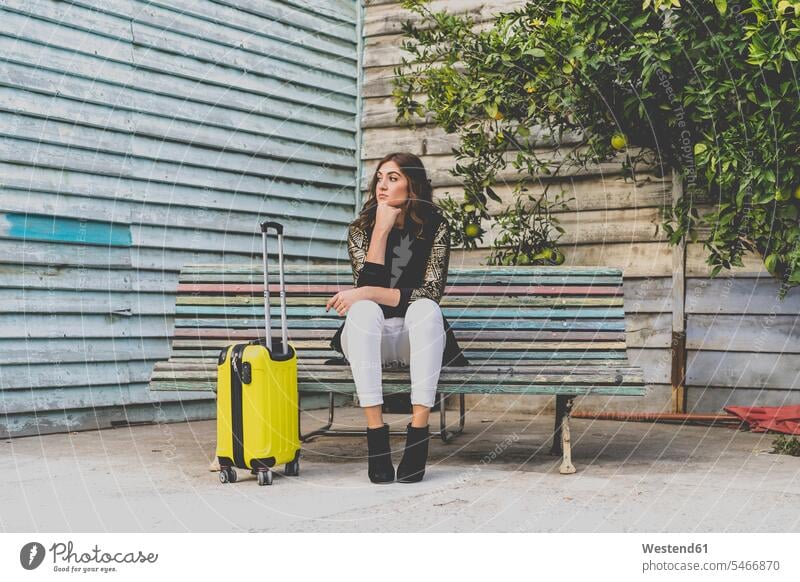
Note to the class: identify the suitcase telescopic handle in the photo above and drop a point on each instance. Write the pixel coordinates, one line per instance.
(265, 226)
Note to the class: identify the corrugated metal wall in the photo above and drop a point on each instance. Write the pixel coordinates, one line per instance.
(743, 343)
(136, 137)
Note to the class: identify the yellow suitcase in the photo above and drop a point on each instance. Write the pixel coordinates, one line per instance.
(257, 398)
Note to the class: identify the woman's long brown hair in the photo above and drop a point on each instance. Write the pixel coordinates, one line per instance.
(419, 205)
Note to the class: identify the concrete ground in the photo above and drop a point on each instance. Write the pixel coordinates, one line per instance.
(498, 476)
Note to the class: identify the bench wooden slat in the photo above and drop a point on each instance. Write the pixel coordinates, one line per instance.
(530, 390)
(447, 301)
(347, 280)
(190, 355)
(520, 271)
(210, 366)
(563, 352)
(540, 390)
(488, 348)
(193, 311)
(451, 290)
(209, 336)
(343, 376)
(487, 345)
(577, 355)
(489, 371)
(332, 324)
(205, 371)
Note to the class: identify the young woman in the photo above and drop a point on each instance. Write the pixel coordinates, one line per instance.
(399, 249)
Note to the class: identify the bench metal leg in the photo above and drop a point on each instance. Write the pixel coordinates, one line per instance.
(308, 436)
(561, 438)
(446, 435)
(566, 468)
(556, 449)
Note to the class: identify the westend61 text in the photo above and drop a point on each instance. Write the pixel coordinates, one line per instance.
(670, 549)
(96, 555)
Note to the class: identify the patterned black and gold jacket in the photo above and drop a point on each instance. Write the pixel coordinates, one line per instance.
(417, 266)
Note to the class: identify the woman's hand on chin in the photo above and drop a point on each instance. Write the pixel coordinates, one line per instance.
(386, 217)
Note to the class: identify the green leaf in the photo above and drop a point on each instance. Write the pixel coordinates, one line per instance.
(727, 218)
(492, 194)
(722, 6)
(640, 20)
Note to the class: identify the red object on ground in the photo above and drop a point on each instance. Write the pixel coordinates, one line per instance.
(785, 419)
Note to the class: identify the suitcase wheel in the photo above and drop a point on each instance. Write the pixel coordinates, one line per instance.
(265, 477)
(292, 469)
(227, 475)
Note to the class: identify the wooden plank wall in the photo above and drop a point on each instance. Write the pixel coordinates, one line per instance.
(139, 136)
(612, 222)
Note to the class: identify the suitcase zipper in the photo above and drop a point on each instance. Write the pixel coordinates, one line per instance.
(237, 423)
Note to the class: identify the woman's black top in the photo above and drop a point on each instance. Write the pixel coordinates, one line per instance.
(417, 265)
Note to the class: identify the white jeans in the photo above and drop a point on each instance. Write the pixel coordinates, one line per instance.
(370, 341)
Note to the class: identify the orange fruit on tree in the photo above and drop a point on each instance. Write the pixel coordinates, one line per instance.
(771, 262)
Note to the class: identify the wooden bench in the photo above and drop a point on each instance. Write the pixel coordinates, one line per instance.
(525, 330)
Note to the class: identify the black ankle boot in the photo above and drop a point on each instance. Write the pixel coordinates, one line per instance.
(380, 455)
(412, 467)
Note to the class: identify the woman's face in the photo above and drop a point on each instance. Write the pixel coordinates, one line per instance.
(392, 185)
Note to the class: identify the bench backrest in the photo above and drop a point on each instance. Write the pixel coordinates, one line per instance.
(538, 315)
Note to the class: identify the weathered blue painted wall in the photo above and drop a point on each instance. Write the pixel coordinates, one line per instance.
(136, 137)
